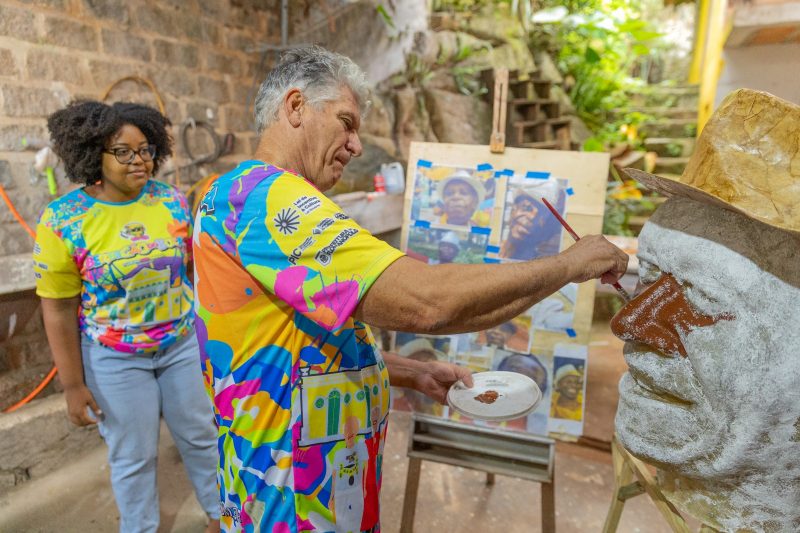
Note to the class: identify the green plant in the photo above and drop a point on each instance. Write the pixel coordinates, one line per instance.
(623, 201)
(674, 149)
(596, 44)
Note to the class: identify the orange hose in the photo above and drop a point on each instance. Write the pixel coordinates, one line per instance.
(53, 371)
(16, 213)
(33, 393)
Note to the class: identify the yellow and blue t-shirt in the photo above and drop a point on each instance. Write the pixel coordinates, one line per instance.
(300, 390)
(127, 261)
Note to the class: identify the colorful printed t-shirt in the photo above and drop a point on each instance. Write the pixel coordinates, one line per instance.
(126, 260)
(300, 390)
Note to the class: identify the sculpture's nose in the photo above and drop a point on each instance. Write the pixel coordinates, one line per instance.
(659, 316)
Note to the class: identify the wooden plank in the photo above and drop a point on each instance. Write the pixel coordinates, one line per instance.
(497, 141)
(586, 171)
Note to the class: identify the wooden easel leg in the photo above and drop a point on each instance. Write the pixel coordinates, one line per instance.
(549, 507)
(410, 498)
(623, 475)
(489, 478)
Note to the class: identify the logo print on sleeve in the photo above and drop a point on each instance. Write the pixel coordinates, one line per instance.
(287, 221)
(307, 204)
(323, 224)
(340, 216)
(297, 252)
(323, 257)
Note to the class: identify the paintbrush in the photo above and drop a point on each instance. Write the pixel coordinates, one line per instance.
(574, 235)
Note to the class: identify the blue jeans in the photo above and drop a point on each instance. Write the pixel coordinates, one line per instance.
(132, 390)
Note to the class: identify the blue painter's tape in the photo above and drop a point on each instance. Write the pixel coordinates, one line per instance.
(571, 332)
(508, 172)
(570, 192)
(538, 175)
(484, 166)
(424, 163)
(490, 260)
(492, 249)
(498, 174)
(480, 230)
(422, 224)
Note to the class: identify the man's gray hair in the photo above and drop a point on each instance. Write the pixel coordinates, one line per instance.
(319, 73)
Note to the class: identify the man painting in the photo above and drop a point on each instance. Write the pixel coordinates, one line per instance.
(286, 284)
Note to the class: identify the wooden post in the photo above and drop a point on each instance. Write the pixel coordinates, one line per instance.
(548, 507)
(623, 475)
(628, 467)
(712, 65)
(410, 498)
(497, 142)
(700, 34)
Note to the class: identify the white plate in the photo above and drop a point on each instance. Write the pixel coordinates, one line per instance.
(518, 395)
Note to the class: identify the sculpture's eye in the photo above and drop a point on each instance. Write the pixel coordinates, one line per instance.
(648, 272)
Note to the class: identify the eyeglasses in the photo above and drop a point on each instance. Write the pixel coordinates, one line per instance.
(125, 156)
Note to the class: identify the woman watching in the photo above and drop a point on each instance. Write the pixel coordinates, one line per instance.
(111, 264)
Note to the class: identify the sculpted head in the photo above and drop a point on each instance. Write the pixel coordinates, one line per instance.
(713, 343)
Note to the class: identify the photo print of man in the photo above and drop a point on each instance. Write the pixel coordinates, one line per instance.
(442, 246)
(529, 229)
(453, 196)
(513, 335)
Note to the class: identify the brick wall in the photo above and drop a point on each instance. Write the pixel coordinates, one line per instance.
(51, 51)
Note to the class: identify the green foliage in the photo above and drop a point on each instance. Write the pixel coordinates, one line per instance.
(417, 72)
(465, 5)
(387, 18)
(674, 149)
(620, 209)
(596, 44)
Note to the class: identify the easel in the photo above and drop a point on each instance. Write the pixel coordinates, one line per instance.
(628, 467)
(489, 450)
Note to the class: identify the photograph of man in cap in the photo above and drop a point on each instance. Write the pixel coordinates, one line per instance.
(529, 229)
(461, 193)
(449, 246)
(437, 246)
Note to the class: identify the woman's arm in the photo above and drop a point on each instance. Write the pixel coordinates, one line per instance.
(61, 325)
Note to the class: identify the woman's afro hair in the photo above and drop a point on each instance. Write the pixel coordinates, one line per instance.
(80, 133)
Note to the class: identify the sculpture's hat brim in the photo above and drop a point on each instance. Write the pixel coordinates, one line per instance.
(747, 160)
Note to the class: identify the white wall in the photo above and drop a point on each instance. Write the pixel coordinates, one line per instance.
(772, 68)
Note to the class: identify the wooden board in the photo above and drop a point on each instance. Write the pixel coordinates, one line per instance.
(587, 174)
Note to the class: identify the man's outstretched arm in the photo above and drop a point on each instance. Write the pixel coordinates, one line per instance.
(443, 299)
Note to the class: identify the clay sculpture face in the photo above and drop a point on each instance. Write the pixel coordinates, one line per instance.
(711, 396)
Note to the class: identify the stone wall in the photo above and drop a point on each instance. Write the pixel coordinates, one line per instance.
(196, 52)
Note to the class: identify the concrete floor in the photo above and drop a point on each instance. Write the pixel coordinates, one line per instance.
(78, 498)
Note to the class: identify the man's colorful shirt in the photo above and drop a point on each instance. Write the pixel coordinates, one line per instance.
(126, 260)
(300, 390)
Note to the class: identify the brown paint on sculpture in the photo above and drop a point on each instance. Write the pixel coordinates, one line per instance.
(659, 316)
